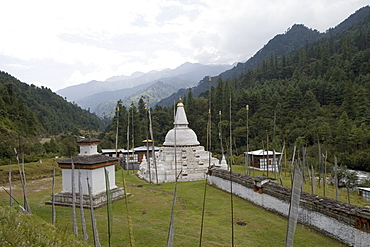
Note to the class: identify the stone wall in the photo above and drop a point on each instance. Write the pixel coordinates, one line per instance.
(99, 200)
(347, 223)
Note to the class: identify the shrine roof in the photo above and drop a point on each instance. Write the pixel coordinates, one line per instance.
(88, 159)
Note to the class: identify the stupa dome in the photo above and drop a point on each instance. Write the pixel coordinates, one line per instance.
(184, 135)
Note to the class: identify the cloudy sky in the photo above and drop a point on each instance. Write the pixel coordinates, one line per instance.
(62, 43)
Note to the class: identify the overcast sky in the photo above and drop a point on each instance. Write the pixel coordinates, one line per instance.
(62, 43)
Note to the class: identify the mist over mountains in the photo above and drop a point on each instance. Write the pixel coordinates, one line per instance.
(166, 86)
(101, 96)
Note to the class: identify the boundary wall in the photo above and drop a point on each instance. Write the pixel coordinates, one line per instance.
(347, 223)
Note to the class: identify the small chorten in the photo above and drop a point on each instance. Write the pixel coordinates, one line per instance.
(89, 166)
(223, 164)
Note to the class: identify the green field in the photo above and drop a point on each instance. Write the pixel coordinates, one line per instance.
(150, 208)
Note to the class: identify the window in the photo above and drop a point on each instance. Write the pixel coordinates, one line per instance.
(366, 195)
(364, 225)
(133, 158)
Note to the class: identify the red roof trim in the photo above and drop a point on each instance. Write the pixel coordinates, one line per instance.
(85, 166)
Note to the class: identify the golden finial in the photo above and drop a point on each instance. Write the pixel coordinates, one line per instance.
(180, 103)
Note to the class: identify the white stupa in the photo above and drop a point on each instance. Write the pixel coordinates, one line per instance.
(181, 155)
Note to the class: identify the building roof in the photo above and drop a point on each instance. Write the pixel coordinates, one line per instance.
(181, 134)
(88, 140)
(137, 149)
(112, 150)
(144, 148)
(363, 188)
(88, 160)
(262, 152)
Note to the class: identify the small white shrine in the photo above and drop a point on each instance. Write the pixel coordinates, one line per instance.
(89, 167)
(181, 156)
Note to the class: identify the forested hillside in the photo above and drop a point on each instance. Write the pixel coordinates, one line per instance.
(294, 38)
(29, 113)
(316, 96)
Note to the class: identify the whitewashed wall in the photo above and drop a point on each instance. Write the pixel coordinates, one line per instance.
(96, 179)
(88, 149)
(330, 226)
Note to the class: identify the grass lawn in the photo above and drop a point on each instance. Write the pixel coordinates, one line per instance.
(150, 209)
(33, 170)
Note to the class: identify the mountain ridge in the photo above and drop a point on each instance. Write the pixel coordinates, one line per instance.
(187, 71)
(269, 49)
(155, 92)
(28, 113)
(185, 75)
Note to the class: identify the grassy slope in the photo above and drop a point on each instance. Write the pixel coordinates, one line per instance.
(33, 170)
(18, 229)
(150, 207)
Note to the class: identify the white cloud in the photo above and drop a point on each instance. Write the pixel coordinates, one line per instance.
(85, 40)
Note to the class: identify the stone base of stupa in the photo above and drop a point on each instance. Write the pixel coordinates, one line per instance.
(99, 200)
(170, 176)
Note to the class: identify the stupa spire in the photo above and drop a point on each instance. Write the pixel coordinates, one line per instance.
(184, 135)
(180, 117)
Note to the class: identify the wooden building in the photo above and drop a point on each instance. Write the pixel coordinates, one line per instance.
(132, 158)
(258, 160)
(364, 192)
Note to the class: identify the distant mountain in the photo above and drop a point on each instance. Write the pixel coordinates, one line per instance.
(186, 75)
(155, 92)
(350, 21)
(124, 77)
(187, 71)
(294, 38)
(92, 101)
(80, 91)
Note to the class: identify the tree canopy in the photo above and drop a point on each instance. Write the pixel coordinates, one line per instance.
(317, 94)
